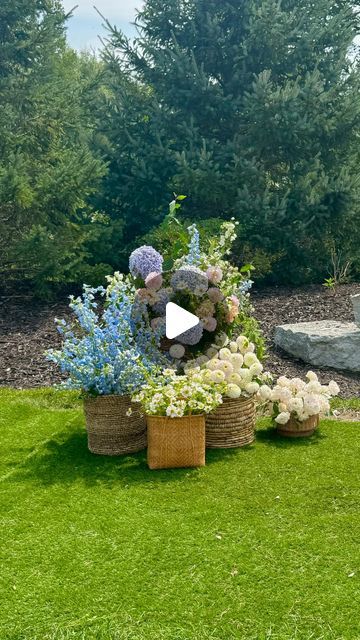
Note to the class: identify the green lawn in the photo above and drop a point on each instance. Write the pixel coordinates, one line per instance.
(262, 543)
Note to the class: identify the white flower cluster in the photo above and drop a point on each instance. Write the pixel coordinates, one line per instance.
(294, 397)
(237, 366)
(177, 396)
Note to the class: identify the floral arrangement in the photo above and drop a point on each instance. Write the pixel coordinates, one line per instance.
(175, 396)
(297, 398)
(236, 367)
(100, 353)
(206, 284)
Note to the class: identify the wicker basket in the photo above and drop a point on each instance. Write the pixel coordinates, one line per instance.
(110, 431)
(232, 424)
(176, 442)
(295, 429)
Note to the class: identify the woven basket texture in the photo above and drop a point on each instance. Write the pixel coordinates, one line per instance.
(295, 429)
(176, 442)
(110, 431)
(232, 424)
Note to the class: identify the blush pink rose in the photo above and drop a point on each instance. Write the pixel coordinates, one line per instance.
(214, 274)
(215, 295)
(154, 281)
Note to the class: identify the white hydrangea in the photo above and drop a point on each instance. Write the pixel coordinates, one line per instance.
(265, 392)
(283, 417)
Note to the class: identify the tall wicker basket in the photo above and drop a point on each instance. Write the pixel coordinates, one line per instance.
(232, 424)
(110, 431)
(176, 442)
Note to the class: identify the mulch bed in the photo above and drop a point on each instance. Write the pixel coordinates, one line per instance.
(27, 329)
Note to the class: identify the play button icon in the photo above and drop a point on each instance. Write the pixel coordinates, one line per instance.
(178, 320)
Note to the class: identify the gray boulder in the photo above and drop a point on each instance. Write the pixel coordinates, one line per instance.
(323, 344)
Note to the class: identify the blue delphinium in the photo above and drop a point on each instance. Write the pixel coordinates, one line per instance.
(145, 260)
(193, 257)
(100, 353)
(246, 286)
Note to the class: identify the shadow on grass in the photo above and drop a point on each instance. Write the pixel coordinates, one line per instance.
(66, 460)
(271, 437)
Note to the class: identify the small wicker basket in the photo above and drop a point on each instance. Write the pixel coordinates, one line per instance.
(295, 429)
(232, 424)
(176, 442)
(110, 431)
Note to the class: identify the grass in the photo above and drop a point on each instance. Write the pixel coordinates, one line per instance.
(262, 543)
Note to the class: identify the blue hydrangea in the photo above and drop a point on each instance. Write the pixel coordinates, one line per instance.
(145, 260)
(192, 336)
(190, 278)
(163, 298)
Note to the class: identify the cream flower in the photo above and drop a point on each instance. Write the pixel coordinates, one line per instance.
(233, 347)
(334, 388)
(218, 376)
(249, 359)
(234, 378)
(311, 375)
(283, 417)
(225, 354)
(252, 388)
(233, 391)
(265, 392)
(236, 360)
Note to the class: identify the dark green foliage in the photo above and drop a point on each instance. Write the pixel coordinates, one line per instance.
(47, 168)
(251, 108)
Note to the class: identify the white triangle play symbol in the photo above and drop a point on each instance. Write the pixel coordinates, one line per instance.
(178, 320)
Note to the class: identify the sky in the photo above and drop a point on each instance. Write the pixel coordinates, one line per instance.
(85, 25)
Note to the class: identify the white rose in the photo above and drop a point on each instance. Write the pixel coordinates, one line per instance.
(233, 347)
(225, 354)
(226, 367)
(250, 358)
(218, 376)
(265, 392)
(252, 388)
(234, 378)
(233, 391)
(237, 360)
(213, 364)
(283, 417)
(211, 352)
(256, 369)
(311, 375)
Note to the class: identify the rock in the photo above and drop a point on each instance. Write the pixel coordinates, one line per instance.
(356, 306)
(323, 344)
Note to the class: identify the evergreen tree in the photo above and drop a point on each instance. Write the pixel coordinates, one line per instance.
(259, 119)
(47, 168)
